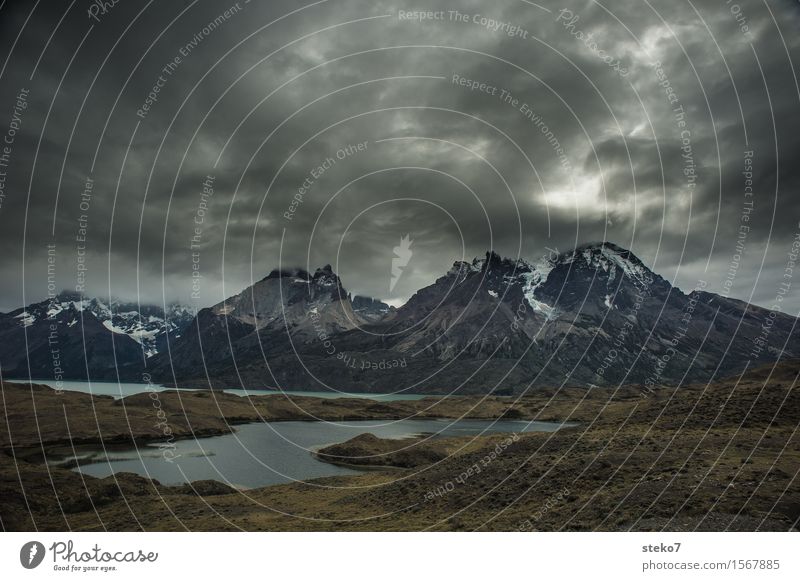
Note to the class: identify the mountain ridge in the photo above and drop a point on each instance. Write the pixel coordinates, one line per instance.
(70, 336)
(493, 324)
(592, 315)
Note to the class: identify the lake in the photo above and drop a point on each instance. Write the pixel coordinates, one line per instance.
(120, 390)
(270, 453)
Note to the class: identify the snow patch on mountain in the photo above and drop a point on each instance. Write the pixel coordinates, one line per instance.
(27, 319)
(612, 260)
(534, 277)
(462, 269)
(146, 327)
(110, 326)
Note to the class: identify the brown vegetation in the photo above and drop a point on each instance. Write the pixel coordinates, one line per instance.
(718, 457)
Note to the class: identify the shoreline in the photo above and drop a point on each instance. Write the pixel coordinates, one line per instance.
(248, 391)
(65, 447)
(648, 464)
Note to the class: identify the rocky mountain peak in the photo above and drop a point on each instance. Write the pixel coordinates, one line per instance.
(370, 309)
(325, 274)
(66, 296)
(461, 269)
(288, 273)
(488, 319)
(327, 281)
(495, 262)
(610, 259)
(73, 314)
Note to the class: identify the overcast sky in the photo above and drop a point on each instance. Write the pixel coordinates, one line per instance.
(507, 125)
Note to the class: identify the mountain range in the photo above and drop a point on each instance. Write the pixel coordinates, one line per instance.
(595, 315)
(69, 336)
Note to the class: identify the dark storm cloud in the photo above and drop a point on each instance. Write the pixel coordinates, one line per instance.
(558, 147)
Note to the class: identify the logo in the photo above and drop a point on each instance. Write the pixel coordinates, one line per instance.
(31, 554)
(402, 255)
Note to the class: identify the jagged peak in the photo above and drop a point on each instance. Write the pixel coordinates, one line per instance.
(490, 261)
(492, 257)
(600, 244)
(609, 257)
(66, 296)
(288, 273)
(605, 256)
(325, 274)
(605, 248)
(326, 280)
(462, 268)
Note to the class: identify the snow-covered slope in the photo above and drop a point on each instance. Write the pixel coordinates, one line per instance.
(148, 325)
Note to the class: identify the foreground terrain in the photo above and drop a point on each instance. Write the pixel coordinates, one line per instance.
(723, 456)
